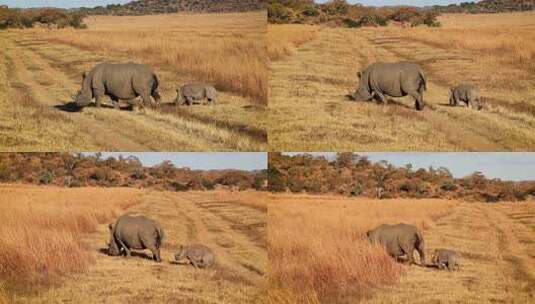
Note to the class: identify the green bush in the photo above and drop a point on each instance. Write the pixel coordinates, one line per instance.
(47, 178)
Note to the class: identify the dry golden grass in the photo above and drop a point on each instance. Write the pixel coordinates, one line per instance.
(317, 246)
(227, 49)
(506, 38)
(309, 110)
(25, 125)
(495, 266)
(283, 39)
(42, 231)
(232, 224)
(230, 51)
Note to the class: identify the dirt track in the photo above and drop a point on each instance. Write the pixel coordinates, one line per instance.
(236, 232)
(498, 265)
(49, 74)
(309, 90)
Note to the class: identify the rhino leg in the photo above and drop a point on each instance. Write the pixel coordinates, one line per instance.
(157, 98)
(189, 100)
(156, 254)
(98, 101)
(418, 100)
(127, 251)
(99, 94)
(409, 251)
(145, 97)
(194, 263)
(115, 101)
(381, 97)
(453, 100)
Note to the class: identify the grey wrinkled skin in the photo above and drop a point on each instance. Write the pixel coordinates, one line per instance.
(446, 258)
(466, 93)
(135, 232)
(195, 92)
(199, 256)
(120, 82)
(398, 240)
(396, 79)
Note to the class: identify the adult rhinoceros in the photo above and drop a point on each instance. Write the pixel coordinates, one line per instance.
(396, 79)
(135, 232)
(124, 81)
(398, 240)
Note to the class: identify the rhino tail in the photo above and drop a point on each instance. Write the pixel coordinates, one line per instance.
(424, 80)
(420, 246)
(161, 236)
(155, 85)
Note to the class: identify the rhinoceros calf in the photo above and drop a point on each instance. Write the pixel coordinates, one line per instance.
(190, 93)
(398, 240)
(135, 232)
(199, 256)
(397, 79)
(120, 82)
(446, 258)
(466, 93)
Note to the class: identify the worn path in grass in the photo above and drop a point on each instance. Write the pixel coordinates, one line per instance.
(236, 232)
(309, 110)
(50, 74)
(498, 264)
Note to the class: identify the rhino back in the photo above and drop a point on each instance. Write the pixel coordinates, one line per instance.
(137, 232)
(125, 81)
(384, 78)
(202, 254)
(194, 90)
(395, 78)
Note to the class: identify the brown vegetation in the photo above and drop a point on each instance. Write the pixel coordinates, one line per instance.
(77, 170)
(487, 6)
(341, 13)
(354, 175)
(46, 17)
(149, 7)
(42, 231)
(318, 250)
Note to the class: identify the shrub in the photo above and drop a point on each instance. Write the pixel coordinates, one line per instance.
(448, 186)
(47, 178)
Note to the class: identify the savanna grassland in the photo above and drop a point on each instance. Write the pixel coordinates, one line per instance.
(310, 76)
(66, 263)
(319, 254)
(41, 69)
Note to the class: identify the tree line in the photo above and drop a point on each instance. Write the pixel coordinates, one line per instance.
(79, 170)
(45, 17)
(355, 175)
(341, 13)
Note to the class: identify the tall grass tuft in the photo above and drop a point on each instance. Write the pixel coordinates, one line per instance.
(226, 49)
(42, 231)
(318, 251)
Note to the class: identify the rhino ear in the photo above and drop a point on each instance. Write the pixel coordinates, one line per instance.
(368, 233)
(110, 226)
(84, 74)
(359, 74)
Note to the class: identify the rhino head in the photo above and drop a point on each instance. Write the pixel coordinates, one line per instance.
(113, 247)
(368, 235)
(85, 95)
(363, 93)
(181, 253)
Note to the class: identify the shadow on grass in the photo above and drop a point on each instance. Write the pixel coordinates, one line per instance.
(135, 254)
